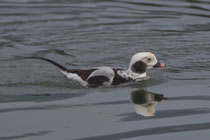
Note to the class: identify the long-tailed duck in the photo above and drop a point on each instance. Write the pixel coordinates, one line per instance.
(107, 76)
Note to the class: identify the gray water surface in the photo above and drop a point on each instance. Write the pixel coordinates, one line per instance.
(38, 102)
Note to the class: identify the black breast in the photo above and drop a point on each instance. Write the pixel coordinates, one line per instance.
(119, 79)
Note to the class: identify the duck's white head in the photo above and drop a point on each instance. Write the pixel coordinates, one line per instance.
(143, 61)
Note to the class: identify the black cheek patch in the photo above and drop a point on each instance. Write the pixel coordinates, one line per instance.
(139, 67)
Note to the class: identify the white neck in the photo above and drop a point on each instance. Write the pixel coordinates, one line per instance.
(137, 75)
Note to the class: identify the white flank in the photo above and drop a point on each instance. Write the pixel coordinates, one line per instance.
(104, 71)
(75, 77)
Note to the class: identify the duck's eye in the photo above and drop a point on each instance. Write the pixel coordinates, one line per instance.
(149, 59)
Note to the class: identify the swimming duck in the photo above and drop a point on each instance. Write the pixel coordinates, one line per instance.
(108, 76)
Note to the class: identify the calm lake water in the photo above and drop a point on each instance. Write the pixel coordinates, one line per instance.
(38, 103)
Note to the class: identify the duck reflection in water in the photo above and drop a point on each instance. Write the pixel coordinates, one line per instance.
(145, 102)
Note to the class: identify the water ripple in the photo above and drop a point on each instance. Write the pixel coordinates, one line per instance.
(152, 131)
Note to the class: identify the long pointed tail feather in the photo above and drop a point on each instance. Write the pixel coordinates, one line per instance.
(48, 60)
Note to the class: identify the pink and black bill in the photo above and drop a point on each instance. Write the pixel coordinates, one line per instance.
(159, 64)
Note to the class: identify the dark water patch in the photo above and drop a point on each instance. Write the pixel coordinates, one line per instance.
(153, 80)
(146, 4)
(47, 107)
(193, 68)
(39, 97)
(26, 135)
(165, 114)
(197, 1)
(116, 23)
(34, 21)
(171, 32)
(55, 51)
(203, 98)
(173, 70)
(199, 8)
(113, 103)
(151, 131)
(188, 79)
(52, 84)
(5, 43)
(188, 69)
(178, 13)
(198, 28)
(13, 38)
